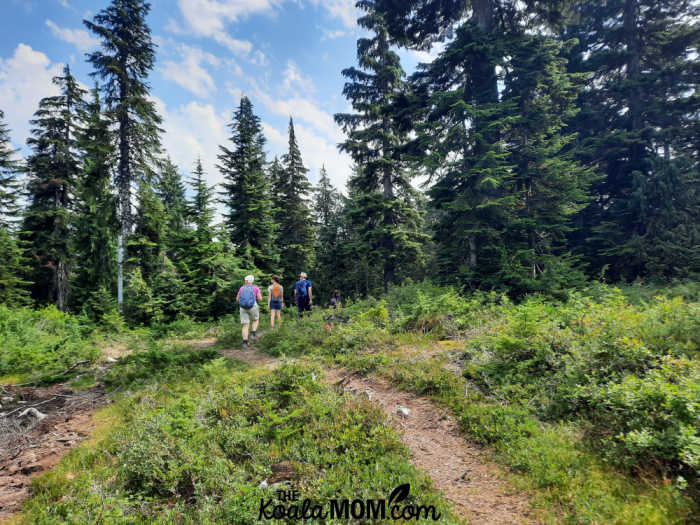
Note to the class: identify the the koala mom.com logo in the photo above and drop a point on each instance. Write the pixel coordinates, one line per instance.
(289, 506)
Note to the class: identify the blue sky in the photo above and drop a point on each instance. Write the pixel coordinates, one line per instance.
(286, 56)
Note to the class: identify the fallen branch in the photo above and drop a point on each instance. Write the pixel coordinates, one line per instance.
(69, 369)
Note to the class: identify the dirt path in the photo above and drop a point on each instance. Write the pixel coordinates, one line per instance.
(31, 445)
(458, 468)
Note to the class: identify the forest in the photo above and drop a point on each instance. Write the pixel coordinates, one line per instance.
(518, 244)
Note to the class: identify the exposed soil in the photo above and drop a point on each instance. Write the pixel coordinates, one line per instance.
(30, 445)
(458, 468)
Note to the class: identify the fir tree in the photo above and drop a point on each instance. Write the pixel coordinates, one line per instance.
(497, 178)
(53, 169)
(147, 246)
(295, 240)
(126, 58)
(171, 190)
(326, 208)
(200, 250)
(13, 288)
(9, 184)
(96, 224)
(638, 123)
(246, 194)
(374, 142)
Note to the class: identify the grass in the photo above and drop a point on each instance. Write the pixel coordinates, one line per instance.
(516, 397)
(190, 439)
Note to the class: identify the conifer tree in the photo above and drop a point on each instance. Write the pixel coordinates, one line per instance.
(12, 286)
(200, 250)
(246, 193)
(171, 190)
(374, 141)
(96, 224)
(295, 240)
(638, 123)
(326, 208)
(493, 171)
(123, 63)
(147, 246)
(53, 169)
(9, 184)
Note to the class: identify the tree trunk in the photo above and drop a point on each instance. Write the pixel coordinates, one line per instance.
(124, 184)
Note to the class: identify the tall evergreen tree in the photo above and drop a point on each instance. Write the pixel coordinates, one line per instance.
(374, 142)
(639, 125)
(171, 190)
(123, 63)
(9, 184)
(295, 240)
(476, 142)
(53, 169)
(199, 250)
(246, 194)
(326, 208)
(12, 287)
(96, 223)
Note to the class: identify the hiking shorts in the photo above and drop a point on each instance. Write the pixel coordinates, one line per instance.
(248, 315)
(275, 305)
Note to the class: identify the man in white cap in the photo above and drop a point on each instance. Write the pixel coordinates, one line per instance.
(248, 297)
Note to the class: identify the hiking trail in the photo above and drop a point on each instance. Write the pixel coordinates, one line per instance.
(458, 468)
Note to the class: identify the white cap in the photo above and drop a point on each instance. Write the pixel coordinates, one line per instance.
(302, 275)
(249, 278)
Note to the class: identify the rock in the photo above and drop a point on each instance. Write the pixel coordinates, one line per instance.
(111, 360)
(7, 399)
(33, 412)
(403, 411)
(34, 467)
(263, 484)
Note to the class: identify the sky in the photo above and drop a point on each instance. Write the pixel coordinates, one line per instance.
(285, 55)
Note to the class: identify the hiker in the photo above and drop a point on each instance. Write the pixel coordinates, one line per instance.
(275, 295)
(302, 294)
(248, 297)
(335, 299)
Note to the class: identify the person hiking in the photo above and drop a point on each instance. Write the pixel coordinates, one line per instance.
(248, 297)
(302, 295)
(335, 299)
(275, 295)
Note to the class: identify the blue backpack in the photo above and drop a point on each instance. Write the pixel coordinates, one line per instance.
(302, 289)
(247, 298)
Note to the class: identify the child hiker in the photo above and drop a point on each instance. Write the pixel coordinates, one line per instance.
(248, 297)
(275, 295)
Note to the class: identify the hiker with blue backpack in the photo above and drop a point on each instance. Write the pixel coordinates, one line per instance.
(248, 297)
(302, 294)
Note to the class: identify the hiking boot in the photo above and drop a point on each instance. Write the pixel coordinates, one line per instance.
(245, 344)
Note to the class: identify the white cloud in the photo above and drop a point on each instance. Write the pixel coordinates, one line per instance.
(193, 130)
(330, 35)
(208, 18)
(80, 38)
(343, 9)
(316, 151)
(293, 78)
(25, 78)
(300, 109)
(190, 72)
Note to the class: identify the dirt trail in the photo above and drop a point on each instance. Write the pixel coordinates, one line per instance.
(458, 468)
(28, 446)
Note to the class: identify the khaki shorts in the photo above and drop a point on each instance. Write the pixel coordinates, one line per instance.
(251, 314)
